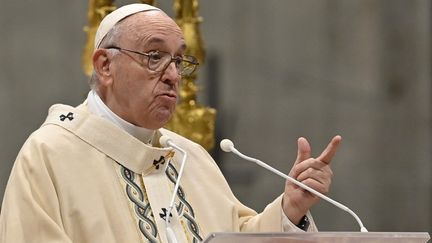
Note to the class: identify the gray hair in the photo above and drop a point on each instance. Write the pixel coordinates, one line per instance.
(112, 37)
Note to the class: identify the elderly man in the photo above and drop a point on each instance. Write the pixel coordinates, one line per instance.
(97, 173)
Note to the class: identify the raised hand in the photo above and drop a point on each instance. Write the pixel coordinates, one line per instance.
(313, 172)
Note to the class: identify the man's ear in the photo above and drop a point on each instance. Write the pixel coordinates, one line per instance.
(101, 66)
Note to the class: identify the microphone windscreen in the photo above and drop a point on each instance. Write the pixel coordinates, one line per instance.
(164, 140)
(226, 145)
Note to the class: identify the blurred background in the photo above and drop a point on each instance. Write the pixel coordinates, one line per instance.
(275, 71)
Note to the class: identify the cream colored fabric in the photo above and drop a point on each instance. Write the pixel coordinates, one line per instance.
(80, 178)
(98, 107)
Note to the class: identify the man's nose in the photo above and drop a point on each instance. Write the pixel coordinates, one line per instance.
(171, 74)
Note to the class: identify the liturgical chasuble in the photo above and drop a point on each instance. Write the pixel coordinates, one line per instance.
(80, 178)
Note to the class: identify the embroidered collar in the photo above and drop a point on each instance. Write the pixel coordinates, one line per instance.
(111, 140)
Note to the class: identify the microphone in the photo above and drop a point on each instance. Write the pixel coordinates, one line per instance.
(228, 146)
(165, 141)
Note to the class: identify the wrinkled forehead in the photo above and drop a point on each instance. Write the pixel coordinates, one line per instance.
(151, 27)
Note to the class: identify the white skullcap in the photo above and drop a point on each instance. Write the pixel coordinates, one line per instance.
(114, 17)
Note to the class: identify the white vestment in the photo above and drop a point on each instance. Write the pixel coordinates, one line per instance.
(80, 178)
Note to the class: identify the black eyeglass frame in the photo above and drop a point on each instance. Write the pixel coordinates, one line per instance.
(180, 68)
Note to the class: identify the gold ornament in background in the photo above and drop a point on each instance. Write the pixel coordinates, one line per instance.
(190, 119)
(98, 9)
(150, 2)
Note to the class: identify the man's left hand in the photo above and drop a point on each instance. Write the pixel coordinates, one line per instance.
(313, 172)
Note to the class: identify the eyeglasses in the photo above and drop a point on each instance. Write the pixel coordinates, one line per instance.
(159, 60)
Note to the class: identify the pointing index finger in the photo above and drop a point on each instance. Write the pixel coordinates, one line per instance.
(330, 151)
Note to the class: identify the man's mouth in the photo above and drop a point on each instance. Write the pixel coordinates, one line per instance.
(171, 95)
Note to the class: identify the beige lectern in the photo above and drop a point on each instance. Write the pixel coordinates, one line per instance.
(320, 237)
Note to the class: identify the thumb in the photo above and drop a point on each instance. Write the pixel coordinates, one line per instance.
(303, 151)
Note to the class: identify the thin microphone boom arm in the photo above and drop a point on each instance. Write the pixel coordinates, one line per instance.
(171, 205)
(228, 146)
(165, 141)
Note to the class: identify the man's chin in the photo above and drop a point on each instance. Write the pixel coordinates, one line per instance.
(161, 119)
